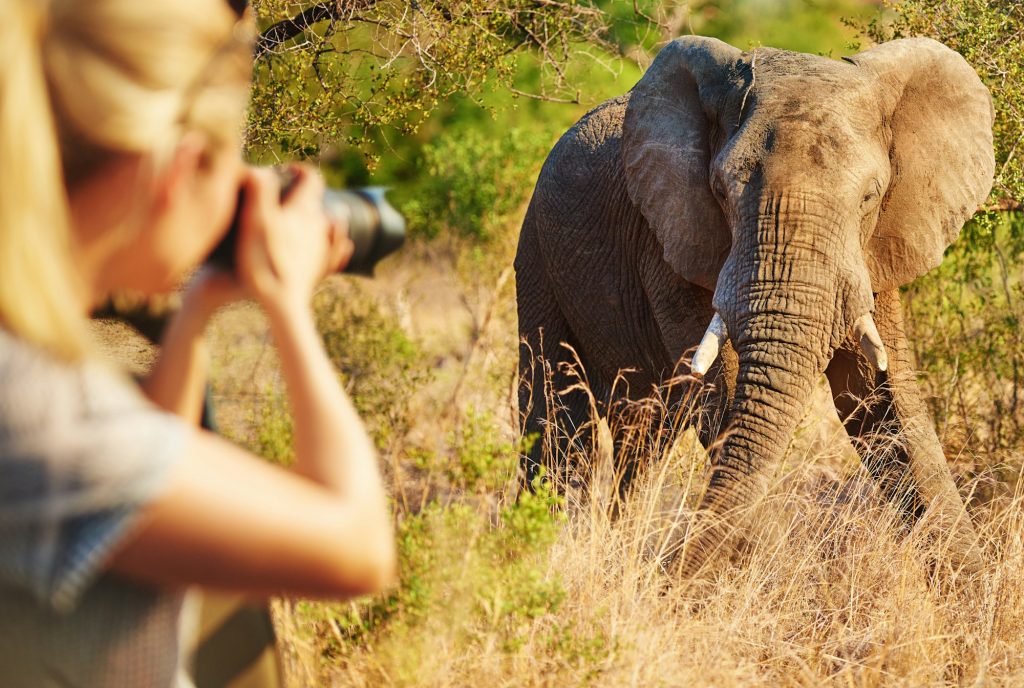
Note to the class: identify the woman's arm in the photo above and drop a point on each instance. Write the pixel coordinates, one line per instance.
(230, 520)
(177, 381)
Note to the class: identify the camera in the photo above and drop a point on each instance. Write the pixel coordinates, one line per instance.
(375, 227)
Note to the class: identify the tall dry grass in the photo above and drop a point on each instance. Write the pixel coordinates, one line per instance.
(825, 585)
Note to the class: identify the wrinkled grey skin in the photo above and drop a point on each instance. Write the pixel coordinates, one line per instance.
(790, 193)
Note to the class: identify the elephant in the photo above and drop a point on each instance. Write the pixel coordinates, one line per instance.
(762, 208)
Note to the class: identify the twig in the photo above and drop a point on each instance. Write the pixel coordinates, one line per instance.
(546, 98)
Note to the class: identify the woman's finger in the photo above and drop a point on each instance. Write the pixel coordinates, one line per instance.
(340, 246)
(262, 192)
(307, 185)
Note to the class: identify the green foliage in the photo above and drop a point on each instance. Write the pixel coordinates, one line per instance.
(965, 317)
(813, 26)
(526, 521)
(274, 438)
(810, 26)
(475, 165)
(965, 322)
(475, 182)
(379, 364)
(462, 578)
(482, 461)
(472, 565)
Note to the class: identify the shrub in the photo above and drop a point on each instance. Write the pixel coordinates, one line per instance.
(469, 577)
(380, 365)
(990, 36)
(964, 318)
(475, 181)
(274, 437)
(964, 322)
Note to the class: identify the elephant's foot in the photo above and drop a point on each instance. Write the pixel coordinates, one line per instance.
(950, 537)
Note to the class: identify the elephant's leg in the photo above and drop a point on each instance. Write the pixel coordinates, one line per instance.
(555, 417)
(685, 402)
(890, 425)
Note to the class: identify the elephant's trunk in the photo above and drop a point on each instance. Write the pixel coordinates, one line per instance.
(786, 309)
(776, 377)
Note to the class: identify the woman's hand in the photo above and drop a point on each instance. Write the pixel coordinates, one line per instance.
(287, 245)
(209, 289)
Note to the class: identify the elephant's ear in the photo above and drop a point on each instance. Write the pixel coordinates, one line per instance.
(666, 150)
(941, 154)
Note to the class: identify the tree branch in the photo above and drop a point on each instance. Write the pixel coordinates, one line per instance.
(545, 97)
(287, 29)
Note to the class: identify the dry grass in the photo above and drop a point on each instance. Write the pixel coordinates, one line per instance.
(825, 588)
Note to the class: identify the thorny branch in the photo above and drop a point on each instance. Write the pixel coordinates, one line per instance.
(386, 64)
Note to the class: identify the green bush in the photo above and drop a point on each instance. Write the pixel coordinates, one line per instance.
(990, 36)
(475, 181)
(964, 318)
(379, 365)
(274, 437)
(965, 324)
(481, 461)
(472, 562)
(362, 75)
(463, 579)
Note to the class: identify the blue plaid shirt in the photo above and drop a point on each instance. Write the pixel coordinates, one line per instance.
(81, 450)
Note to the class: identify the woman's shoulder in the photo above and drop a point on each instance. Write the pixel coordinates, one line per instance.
(79, 426)
(38, 391)
(81, 450)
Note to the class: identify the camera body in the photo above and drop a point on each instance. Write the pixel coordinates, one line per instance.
(375, 227)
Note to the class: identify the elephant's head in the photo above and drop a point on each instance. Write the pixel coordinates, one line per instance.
(797, 187)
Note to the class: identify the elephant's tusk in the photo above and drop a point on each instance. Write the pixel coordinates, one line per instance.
(866, 333)
(707, 352)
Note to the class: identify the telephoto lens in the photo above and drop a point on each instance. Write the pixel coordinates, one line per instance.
(375, 227)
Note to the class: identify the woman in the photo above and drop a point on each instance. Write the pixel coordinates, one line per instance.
(119, 140)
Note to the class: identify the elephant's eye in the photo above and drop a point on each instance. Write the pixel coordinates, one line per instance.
(872, 193)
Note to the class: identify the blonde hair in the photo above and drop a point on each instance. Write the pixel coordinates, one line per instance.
(85, 82)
